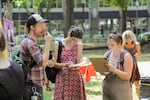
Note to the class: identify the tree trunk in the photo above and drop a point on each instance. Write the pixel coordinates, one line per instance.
(68, 14)
(123, 20)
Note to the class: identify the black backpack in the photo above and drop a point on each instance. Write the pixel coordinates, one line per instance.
(52, 72)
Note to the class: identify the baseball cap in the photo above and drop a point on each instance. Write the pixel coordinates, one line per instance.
(35, 18)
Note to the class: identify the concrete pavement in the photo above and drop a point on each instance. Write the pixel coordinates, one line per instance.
(144, 68)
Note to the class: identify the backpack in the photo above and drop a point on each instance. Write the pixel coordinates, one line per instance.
(16, 57)
(25, 66)
(133, 76)
(52, 72)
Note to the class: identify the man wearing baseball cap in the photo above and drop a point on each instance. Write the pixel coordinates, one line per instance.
(33, 57)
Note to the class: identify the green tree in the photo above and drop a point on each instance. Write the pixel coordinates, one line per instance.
(40, 6)
(8, 9)
(44, 6)
(68, 6)
(144, 2)
(123, 5)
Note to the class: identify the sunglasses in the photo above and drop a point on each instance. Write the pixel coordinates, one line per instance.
(131, 42)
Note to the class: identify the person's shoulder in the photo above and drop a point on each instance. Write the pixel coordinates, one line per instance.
(25, 40)
(57, 42)
(80, 43)
(126, 54)
(16, 67)
(137, 44)
(107, 53)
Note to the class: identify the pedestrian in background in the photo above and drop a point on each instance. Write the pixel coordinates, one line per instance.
(11, 74)
(131, 44)
(116, 84)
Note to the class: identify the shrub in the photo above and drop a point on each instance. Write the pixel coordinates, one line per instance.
(144, 38)
(97, 37)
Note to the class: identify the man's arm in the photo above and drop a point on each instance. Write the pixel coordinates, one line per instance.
(46, 50)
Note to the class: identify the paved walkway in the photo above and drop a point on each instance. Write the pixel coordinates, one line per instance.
(144, 68)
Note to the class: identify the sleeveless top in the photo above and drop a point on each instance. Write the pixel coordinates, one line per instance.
(69, 83)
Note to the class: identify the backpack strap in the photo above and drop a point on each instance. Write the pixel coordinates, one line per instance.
(108, 54)
(122, 56)
(122, 59)
(132, 79)
(59, 51)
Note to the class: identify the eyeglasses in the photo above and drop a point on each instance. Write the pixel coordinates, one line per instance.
(131, 42)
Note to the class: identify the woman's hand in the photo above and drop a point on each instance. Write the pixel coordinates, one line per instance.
(136, 55)
(51, 63)
(48, 37)
(71, 66)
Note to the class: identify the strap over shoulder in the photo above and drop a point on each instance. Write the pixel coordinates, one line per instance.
(60, 45)
(122, 56)
(108, 54)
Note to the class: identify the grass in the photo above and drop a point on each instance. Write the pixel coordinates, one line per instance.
(93, 90)
(145, 57)
(100, 52)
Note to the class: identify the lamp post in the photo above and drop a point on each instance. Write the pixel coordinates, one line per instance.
(90, 19)
(19, 19)
(137, 5)
(1, 10)
(83, 5)
(0, 14)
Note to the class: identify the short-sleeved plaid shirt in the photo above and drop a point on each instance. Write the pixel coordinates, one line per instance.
(30, 48)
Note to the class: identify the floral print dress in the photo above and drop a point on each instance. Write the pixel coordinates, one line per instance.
(69, 83)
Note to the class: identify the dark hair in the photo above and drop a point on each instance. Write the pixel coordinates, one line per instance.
(2, 40)
(76, 32)
(116, 37)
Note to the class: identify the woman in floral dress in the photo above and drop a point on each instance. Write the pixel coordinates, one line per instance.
(69, 82)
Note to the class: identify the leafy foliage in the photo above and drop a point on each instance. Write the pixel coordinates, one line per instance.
(38, 5)
(123, 4)
(144, 38)
(144, 2)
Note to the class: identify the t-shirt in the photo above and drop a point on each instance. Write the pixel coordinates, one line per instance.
(11, 82)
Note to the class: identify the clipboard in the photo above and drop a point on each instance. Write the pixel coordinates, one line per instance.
(99, 64)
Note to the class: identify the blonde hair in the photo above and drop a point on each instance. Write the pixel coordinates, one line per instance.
(4, 54)
(3, 48)
(128, 35)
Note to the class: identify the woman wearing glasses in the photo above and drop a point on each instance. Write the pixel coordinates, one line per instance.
(132, 45)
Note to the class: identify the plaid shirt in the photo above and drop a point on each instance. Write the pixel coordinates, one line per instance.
(30, 48)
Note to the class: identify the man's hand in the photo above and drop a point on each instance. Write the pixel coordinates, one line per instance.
(48, 37)
(51, 63)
